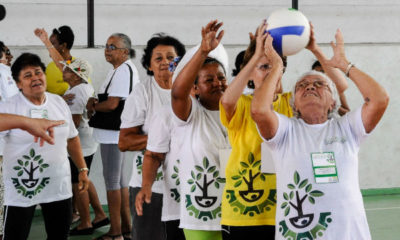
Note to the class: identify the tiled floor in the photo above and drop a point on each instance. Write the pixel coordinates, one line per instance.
(383, 214)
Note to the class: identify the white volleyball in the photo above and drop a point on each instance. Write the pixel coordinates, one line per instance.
(290, 30)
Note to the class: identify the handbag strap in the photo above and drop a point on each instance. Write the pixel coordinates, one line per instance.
(130, 78)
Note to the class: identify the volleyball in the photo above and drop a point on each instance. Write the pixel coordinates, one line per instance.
(290, 30)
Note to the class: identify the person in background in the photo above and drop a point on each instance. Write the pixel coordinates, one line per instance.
(344, 107)
(145, 102)
(9, 56)
(315, 153)
(76, 73)
(8, 88)
(38, 175)
(117, 86)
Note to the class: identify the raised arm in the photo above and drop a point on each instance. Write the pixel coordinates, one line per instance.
(333, 73)
(375, 96)
(181, 102)
(262, 110)
(235, 89)
(54, 54)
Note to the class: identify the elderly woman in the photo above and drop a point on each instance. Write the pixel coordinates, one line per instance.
(145, 101)
(39, 175)
(315, 153)
(106, 121)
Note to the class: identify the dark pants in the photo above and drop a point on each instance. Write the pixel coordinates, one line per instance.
(74, 169)
(266, 232)
(57, 220)
(173, 231)
(149, 226)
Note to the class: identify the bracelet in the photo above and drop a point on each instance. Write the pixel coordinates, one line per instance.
(348, 68)
(50, 47)
(83, 169)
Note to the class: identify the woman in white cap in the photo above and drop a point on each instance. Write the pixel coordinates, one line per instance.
(76, 73)
(201, 185)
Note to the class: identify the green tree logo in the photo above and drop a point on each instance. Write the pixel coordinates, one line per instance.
(247, 176)
(175, 176)
(203, 173)
(29, 165)
(293, 200)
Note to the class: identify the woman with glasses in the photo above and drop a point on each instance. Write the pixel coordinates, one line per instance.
(315, 154)
(115, 89)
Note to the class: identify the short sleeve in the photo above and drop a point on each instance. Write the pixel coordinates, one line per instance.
(356, 125)
(159, 136)
(135, 109)
(68, 116)
(193, 110)
(79, 102)
(238, 116)
(120, 82)
(283, 128)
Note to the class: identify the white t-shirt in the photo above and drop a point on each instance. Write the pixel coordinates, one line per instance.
(199, 168)
(82, 93)
(328, 211)
(34, 174)
(142, 104)
(119, 87)
(8, 88)
(165, 137)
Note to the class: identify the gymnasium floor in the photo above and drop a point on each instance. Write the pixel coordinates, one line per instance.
(383, 212)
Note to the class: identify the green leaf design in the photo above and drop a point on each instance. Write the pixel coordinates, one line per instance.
(284, 204)
(309, 187)
(190, 181)
(216, 184)
(20, 173)
(37, 158)
(176, 169)
(199, 175)
(26, 157)
(211, 169)
(40, 161)
(245, 165)
(236, 177)
(40, 169)
(296, 177)
(237, 184)
(285, 196)
(26, 163)
(205, 162)
(287, 210)
(215, 174)
(193, 188)
(32, 152)
(316, 193)
(244, 171)
(291, 195)
(20, 162)
(257, 163)
(17, 168)
(174, 175)
(45, 165)
(192, 173)
(198, 168)
(251, 158)
(221, 180)
(262, 177)
(177, 182)
(303, 183)
(291, 186)
(311, 199)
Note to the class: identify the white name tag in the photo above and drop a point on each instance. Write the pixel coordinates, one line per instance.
(39, 113)
(267, 162)
(324, 167)
(223, 160)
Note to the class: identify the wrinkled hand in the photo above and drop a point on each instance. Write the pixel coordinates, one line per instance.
(68, 98)
(90, 106)
(210, 39)
(260, 37)
(41, 34)
(83, 181)
(42, 129)
(339, 59)
(144, 195)
(271, 54)
(312, 43)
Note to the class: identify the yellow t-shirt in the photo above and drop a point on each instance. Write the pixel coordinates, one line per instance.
(55, 82)
(249, 197)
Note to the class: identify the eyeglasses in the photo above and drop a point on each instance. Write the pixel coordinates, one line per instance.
(316, 84)
(112, 47)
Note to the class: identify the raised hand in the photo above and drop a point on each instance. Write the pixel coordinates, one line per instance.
(312, 43)
(339, 59)
(260, 37)
(41, 34)
(210, 39)
(271, 54)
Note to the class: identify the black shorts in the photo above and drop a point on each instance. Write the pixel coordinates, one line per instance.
(74, 169)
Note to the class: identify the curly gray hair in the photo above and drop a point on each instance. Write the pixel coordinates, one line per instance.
(331, 86)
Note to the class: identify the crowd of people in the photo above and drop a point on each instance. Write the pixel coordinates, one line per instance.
(212, 159)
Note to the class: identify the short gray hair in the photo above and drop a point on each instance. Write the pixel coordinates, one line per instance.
(331, 86)
(126, 41)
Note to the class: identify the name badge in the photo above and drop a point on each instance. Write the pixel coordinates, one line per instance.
(324, 167)
(267, 162)
(39, 113)
(223, 160)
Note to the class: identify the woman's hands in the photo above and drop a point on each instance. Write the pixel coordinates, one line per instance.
(339, 59)
(271, 54)
(210, 39)
(43, 36)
